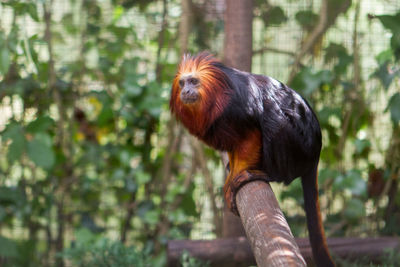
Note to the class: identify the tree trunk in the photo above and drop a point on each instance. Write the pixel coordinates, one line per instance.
(238, 54)
(238, 44)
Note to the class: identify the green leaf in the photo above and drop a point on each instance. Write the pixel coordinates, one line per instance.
(395, 44)
(274, 16)
(362, 145)
(384, 56)
(16, 148)
(117, 13)
(294, 191)
(142, 177)
(106, 115)
(131, 185)
(41, 124)
(131, 86)
(4, 60)
(8, 248)
(307, 81)
(354, 210)
(32, 11)
(118, 174)
(307, 19)
(152, 217)
(14, 132)
(391, 22)
(40, 151)
(385, 74)
(355, 183)
(327, 112)
(3, 214)
(144, 207)
(394, 107)
(9, 195)
(339, 52)
(68, 23)
(327, 174)
(188, 204)
(130, 81)
(85, 236)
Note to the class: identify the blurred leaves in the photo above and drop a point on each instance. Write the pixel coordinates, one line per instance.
(87, 152)
(354, 210)
(5, 59)
(338, 53)
(22, 8)
(92, 250)
(40, 151)
(273, 16)
(394, 108)
(307, 19)
(8, 248)
(391, 22)
(307, 81)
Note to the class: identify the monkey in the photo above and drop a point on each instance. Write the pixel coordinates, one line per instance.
(268, 130)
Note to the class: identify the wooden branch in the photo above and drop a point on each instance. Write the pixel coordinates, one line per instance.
(266, 228)
(237, 251)
(224, 252)
(274, 50)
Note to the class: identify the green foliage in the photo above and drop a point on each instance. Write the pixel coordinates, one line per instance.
(91, 250)
(307, 19)
(14, 132)
(39, 150)
(188, 261)
(8, 248)
(387, 71)
(338, 53)
(391, 22)
(307, 81)
(394, 108)
(273, 16)
(5, 60)
(81, 133)
(85, 136)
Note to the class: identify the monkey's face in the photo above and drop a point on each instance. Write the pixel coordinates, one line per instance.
(189, 85)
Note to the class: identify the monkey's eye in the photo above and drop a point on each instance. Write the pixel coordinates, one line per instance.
(194, 81)
(181, 83)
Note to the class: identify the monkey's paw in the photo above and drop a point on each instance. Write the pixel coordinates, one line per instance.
(234, 184)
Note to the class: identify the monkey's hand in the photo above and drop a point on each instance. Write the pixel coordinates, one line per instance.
(234, 183)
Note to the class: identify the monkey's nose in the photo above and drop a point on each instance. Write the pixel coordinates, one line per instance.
(189, 96)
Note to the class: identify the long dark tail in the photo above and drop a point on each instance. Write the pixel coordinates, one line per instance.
(314, 221)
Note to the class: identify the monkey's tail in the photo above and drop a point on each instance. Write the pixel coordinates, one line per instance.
(314, 221)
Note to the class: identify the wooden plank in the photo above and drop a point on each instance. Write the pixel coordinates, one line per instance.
(224, 252)
(237, 251)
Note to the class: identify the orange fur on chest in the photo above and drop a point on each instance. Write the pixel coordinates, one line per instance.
(246, 155)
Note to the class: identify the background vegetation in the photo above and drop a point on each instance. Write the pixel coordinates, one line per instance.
(93, 171)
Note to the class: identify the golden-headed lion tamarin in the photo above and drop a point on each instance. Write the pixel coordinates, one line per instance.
(269, 131)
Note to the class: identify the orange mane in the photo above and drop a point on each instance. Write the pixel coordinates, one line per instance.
(213, 91)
